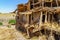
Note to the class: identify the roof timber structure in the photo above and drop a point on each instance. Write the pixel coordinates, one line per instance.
(39, 4)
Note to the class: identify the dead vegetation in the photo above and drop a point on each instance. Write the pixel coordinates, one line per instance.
(10, 34)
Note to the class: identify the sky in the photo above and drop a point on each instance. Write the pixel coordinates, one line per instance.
(7, 6)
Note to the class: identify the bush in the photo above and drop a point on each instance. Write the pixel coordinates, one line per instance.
(1, 23)
(12, 22)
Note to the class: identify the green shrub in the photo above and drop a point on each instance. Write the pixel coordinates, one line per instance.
(12, 22)
(1, 23)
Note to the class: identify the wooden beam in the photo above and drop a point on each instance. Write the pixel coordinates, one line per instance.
(42, 3)
(46, 17)
(57, 3)
(36, 3)
(40, 20)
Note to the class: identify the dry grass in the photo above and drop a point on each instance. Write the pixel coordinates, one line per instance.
(10, 34)
(7, 34)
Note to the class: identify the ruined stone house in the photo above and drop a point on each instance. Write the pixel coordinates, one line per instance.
(37, 14)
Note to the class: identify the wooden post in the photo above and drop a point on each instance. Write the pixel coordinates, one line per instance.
(28, 23)
(31, 18)
(33, 4)
(51, 24)
(28, 33)
(51, 3)
(46, 17)
(42, 3)
(45, 21)
(40, 22)
(27, 18)
(57, 2)
(49, 17)
(40, 19)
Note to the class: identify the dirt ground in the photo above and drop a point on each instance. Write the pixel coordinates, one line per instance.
(12, 34)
